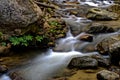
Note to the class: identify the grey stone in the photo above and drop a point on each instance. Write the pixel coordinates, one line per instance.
(18, 13)
(83, 62)
(107, 75)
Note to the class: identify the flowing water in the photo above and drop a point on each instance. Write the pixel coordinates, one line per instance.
(50, 63)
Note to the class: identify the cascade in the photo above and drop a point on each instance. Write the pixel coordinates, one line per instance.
(51, 62)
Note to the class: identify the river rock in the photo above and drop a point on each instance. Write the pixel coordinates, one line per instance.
(16, 76)
(114, 8)
(115, 69)
(110, 45)
(18, 13)
(102, 61)
(83, 62)
(86, 37)
(77, 25)
(101, 14)
(3, 69)
(99, 28)
(107, 75)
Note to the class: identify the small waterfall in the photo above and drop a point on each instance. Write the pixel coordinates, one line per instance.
(45, 65)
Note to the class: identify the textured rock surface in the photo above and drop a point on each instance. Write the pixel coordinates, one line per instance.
(83, 62)
(77, 25)
(18, 13)
(111, 45)
(107, 75)
(86, 37)
(101, 14)
(103, 62)
(99, 28)
(114, 8)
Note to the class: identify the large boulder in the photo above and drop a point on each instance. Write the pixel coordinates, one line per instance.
(110, 45)
(18, 13)
(101, 14)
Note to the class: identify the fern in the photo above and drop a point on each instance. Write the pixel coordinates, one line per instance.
(39, 38)
(15, 41)
(28, 37)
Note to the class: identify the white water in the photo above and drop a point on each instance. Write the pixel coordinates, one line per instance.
(5, 77)
(96, 3)
(50, 62)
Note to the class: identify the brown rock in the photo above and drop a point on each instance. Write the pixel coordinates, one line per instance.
(86, 37)
(101, 14)
(3, 69)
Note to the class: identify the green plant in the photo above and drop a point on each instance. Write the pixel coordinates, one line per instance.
(53, 30)
(1, 33)
(39, 38)
(14, 40)
(23, 40)
(53, 23)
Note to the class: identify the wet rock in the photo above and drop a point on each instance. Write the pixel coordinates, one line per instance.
(114, 69)
(101, 14)
(102, 61)
(84, 47)
(83, 10)
(83, 62)
(86, 37)
(114, 8)
(111, 45)
(3, 69)
(99, 28)
(107, 75)
(16, 76)
(77, 25)
(18, 13)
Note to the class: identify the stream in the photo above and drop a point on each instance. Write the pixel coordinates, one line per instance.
(50, 63)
